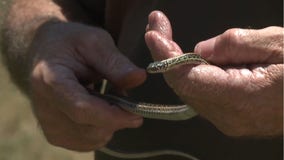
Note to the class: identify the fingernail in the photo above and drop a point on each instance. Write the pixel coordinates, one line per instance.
(197, 49)
(205, 48)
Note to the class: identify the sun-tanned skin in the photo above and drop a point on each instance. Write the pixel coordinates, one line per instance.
(50, 55)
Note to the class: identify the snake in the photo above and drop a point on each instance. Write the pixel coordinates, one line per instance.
(155, 111)
(159, 111)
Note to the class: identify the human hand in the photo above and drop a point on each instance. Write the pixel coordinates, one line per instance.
(241, 93)
(68, 55)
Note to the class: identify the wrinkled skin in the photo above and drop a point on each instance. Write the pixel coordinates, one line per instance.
(241, 91)
(66, 56)
(244, 99)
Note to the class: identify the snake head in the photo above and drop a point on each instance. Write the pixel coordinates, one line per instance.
(157, 67)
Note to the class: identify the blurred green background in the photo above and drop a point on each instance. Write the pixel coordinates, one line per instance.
(20, 136)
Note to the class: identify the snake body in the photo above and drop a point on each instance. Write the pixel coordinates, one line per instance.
(160, 111)
(170, 63)
(156, 111)
(153, 111)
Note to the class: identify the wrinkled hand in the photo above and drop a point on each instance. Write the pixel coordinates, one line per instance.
(69, 53)
(241, 93)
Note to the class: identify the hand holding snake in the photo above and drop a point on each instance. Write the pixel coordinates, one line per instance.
(241, 94)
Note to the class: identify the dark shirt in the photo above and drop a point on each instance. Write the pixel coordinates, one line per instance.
(192, 21)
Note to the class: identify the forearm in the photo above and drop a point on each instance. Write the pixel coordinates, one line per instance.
(22, 22)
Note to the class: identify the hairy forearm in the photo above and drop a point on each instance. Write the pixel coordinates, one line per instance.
(22, 22)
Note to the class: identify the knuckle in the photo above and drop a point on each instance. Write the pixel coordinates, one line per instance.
(38, 69)
(232, 38)
(229, 35)
(231, 42)
(45, 72)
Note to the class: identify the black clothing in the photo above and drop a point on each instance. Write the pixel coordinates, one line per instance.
(192, 21)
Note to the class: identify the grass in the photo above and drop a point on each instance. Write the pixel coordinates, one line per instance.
(20, 137)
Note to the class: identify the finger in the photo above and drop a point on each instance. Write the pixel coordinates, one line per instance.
(78, 104)
(101, 54)
(161, 47)
(157, 21)
(159, 37)
(61, 131)
(243, 46)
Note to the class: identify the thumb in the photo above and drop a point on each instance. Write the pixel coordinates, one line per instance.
(104, 57)
(244, 46)
(158, 37)
(120, 71)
